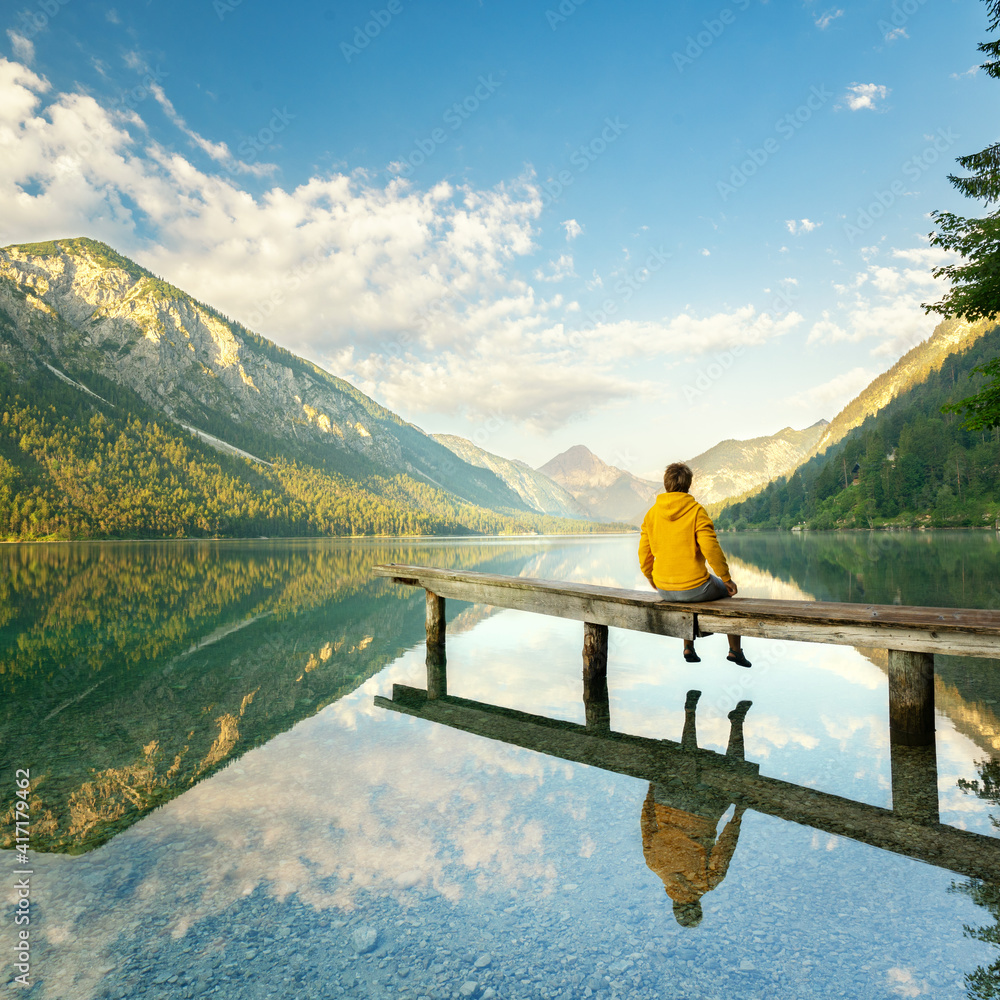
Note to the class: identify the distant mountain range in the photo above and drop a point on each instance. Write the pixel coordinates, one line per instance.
(131, 408)
(535, 488)
(950, 339)
(605, 491)
(733, 467)
(897, 460)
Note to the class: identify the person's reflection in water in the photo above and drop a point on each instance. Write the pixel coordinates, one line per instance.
(679, 826)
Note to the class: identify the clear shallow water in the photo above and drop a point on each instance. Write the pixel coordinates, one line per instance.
(200, 723)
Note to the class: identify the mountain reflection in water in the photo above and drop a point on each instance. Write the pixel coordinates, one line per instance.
(135, 670)
(309, 843)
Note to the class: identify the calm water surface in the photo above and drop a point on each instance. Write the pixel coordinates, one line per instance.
(219, 807)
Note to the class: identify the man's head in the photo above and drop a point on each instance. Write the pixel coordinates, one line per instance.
(677, 478)
(688, 914)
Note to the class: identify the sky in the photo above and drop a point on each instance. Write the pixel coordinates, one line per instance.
(641, 227)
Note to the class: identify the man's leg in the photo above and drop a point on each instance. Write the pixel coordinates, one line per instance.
(689, 737)
(736, 717)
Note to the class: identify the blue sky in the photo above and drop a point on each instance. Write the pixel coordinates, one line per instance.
(645, 228)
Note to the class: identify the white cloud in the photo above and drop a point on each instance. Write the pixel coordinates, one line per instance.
(924, 257)
(217, 151)
(825, 20)
(573, 229)
(705, 252)
(865, 95)
(417, 296)
(830, 396)
(112, 16)
(884, 303)
(686, 334)
(557, 269)
(539, 388)
(801, 225)
(893, 33)
(971, 71)
(24, 48)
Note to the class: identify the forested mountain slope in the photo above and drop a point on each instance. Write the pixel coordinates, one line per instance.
(908, 464)
(86, 310)
(104, 371)
(949, 337)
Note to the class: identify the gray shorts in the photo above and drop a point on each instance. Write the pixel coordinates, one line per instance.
(713, 589)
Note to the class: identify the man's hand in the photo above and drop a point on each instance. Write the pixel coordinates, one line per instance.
(732, 588)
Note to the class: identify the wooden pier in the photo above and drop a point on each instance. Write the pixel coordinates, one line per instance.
(911, 635)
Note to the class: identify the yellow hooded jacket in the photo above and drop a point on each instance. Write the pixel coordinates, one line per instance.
(677, 538)
(681, 848)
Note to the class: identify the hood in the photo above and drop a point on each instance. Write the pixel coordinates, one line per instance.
(675, 505)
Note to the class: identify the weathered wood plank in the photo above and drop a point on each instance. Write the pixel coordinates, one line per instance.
(436, 661)
(950, 642)
(832, 612)
(646, 616)
(915, 783)
(956, 631)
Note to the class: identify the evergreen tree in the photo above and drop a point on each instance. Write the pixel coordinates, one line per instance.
(975, 280)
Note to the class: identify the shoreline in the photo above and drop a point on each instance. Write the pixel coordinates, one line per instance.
(307, 538)
(882, 527)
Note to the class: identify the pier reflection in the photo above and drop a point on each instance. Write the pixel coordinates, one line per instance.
(691, 789)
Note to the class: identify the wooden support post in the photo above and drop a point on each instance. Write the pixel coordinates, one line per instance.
(911, 698)
(437, 675)
(595, 677)
(915, 783)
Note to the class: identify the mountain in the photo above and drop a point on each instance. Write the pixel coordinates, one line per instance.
(603, 490)
(912, 369)
(131, 409)
(84, 309)
(732, 467)
(537, 490)
(905, 465)
(949, 337)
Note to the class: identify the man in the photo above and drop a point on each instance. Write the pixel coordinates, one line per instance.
(677, 538)
(679, 819)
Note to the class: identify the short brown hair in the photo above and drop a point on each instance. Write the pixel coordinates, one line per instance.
(677, 478)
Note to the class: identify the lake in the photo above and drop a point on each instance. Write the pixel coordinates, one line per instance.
(218, 807)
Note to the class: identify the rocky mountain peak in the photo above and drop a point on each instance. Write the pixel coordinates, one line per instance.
(580, 467)
(85, 310)
(604, 490)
